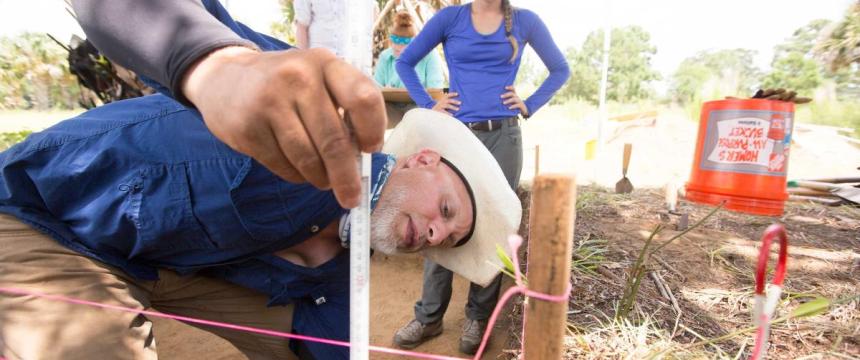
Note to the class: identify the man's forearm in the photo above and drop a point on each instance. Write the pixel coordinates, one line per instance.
(159, 39)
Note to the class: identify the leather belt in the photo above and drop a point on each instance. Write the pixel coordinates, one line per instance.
(490, 125)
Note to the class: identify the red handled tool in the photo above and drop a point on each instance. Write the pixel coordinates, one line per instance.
(766, 301)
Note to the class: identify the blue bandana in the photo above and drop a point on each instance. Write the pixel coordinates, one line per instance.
(375, 192)
(400, 40)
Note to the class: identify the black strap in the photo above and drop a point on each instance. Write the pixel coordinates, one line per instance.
(468, 236)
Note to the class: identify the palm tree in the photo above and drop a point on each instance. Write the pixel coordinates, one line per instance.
(839, 46)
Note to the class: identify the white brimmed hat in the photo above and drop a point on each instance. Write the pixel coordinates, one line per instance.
(497, 209)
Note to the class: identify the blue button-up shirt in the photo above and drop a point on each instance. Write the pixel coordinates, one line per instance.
(142, 184)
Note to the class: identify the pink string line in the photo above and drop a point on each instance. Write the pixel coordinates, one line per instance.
(514, 241)
(250, 329)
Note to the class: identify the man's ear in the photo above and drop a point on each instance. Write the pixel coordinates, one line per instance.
(424, 157)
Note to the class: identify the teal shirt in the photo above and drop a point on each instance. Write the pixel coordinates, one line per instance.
(429, 71)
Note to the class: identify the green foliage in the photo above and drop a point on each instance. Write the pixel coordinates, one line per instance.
(802, 40)
(34, 74)
(284, 30)
(12, 138)
(840, 46)
(630, 70)
(834, 113)
(798, 65)
(530, 74)
(508, 268)
(584, 79)
(588, 255)
(796, 72)
(635, 273)
(817, 306)
(795, 67)
(847, 81)
(639, 268)
(714, 74)
(805, 41)
(687, 82)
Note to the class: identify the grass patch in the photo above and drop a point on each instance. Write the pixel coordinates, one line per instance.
(590, 198)
(833, 113)
(11, 138)
(588, 255)
(623, 339)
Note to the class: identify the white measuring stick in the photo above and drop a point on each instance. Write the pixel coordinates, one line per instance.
(358, 51)
(359, 268)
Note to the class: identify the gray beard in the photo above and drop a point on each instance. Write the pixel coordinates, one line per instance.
(383, 237)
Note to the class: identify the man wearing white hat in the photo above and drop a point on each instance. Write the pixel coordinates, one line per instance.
(137, 204)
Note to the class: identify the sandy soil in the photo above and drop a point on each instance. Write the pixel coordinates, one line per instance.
(395, 285)
(18, 120)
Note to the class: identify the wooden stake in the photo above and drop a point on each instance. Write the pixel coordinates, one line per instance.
(537, 160)
(553, 211)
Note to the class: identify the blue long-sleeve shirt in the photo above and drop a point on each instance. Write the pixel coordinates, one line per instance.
(479, 65)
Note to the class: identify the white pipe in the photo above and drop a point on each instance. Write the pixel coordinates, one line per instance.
(603, 114)
(604, 79)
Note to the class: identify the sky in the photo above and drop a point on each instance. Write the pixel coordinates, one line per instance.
(678, 28)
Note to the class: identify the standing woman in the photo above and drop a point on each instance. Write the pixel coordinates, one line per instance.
(483, 43)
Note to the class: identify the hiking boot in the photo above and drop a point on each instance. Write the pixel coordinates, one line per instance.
(473, 333)
(415, 333)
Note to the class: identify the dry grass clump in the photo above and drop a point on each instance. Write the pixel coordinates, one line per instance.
(623, 339)
(695, 298)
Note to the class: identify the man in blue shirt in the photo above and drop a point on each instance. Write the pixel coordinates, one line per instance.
(138, 204)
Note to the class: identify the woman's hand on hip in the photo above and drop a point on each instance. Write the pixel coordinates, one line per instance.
(513, 101)
(447, 104)
(281, 108)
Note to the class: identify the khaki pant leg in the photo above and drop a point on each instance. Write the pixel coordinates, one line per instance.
(33, 328)
(218, 300)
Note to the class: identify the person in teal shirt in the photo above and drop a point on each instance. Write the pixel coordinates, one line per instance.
(429, 69)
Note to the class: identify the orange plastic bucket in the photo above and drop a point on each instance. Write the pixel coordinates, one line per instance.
(742, 155)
